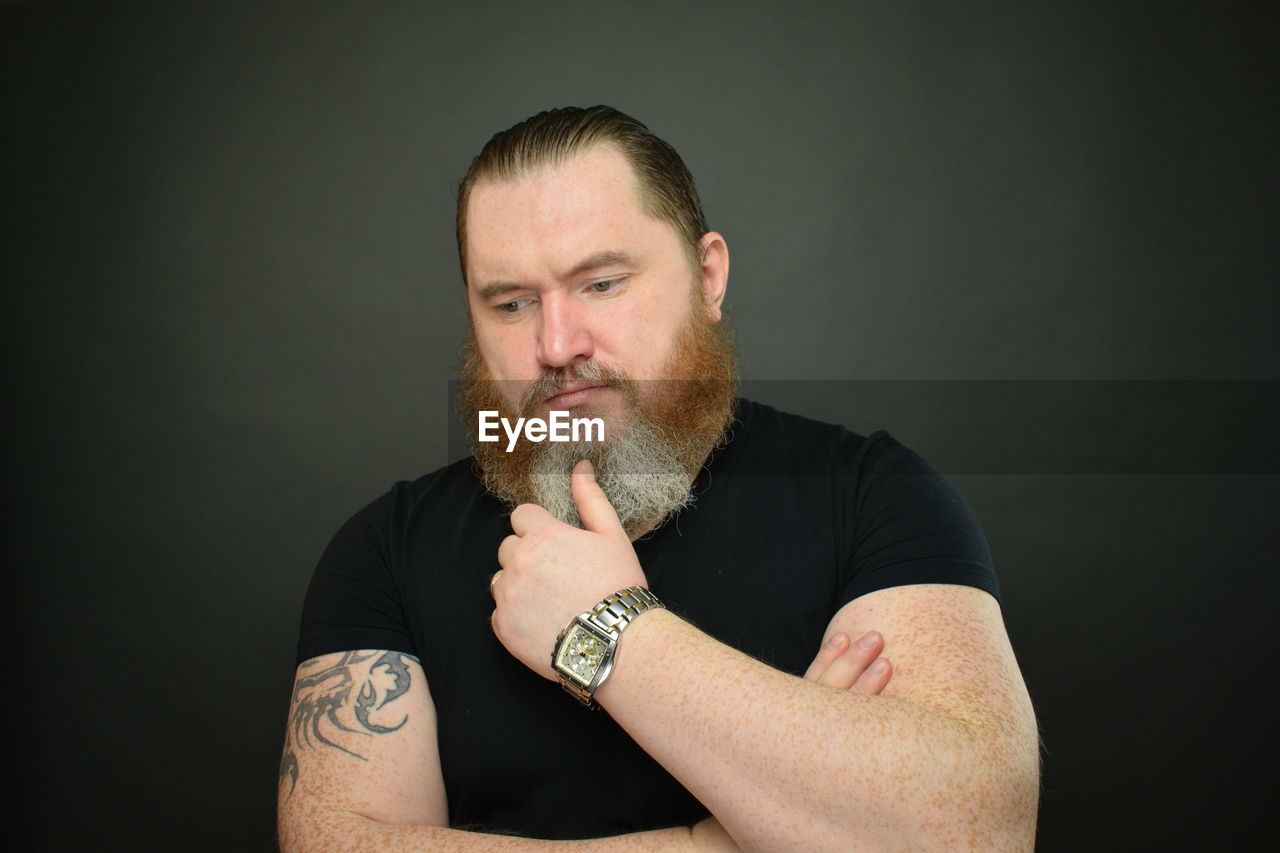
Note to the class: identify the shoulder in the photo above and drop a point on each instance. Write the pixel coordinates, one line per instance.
(454, 485)
(897, 518)
(804, 443)
(356, 596)
(425, 506)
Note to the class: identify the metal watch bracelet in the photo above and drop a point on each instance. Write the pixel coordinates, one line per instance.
(612, 616)
(617, 611)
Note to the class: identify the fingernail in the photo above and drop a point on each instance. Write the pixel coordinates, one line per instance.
(868, 640)
(878, 667)
(836, 639)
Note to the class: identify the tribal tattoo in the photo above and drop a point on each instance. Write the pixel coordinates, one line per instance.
(342, 698)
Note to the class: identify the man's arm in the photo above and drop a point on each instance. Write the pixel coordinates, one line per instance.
(361, 770)
(361, 767)
(945, 759)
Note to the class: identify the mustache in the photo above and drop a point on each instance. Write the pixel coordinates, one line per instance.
(554, 380)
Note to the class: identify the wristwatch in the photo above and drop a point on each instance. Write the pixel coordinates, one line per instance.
(584, 650)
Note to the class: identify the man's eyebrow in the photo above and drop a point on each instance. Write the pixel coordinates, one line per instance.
(496, 288)
(606, 258)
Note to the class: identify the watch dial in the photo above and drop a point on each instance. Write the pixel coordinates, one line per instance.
(581, 654)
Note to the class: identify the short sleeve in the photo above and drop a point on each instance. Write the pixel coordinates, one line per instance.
(353, 601)
(906, 523)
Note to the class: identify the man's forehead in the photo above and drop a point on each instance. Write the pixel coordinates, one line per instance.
(562, 213)
(598, 175)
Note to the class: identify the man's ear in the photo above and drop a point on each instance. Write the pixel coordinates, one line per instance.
(714, 271)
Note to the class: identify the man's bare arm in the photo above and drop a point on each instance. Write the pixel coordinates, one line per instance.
(945, 759)
(361, 767)
(413, 815)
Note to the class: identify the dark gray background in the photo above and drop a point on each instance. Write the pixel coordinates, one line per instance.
(232, 309)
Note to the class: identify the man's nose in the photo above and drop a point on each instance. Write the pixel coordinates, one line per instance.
(564, 336)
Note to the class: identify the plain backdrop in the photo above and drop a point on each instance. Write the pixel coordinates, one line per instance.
(1034, 241)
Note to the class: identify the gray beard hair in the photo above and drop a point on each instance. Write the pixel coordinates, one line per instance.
(640, 474)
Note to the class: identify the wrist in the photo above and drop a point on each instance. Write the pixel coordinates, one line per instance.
(641, 636)
(585, 652)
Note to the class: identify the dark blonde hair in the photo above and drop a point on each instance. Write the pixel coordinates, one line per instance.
(549, 138)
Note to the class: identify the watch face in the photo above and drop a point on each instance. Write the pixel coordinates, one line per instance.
(581, 654)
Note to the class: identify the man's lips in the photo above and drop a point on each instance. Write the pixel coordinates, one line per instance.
(575, 395)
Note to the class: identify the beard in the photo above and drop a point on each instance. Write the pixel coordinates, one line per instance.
(667, 430)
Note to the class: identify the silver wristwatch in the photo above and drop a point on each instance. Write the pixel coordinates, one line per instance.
(583, 655)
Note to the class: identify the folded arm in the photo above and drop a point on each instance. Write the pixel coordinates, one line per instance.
(361, 767)
(946, 758)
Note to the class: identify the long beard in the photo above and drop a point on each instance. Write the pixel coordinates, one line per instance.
(667, 431)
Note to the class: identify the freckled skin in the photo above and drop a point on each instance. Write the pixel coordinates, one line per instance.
(391, 797)
(946, 758)
(784, 764)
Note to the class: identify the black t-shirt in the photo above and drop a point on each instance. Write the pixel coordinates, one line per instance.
(793, 519)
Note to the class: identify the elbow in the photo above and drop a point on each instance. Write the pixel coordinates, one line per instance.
(318, 827)
(305, 824)
(297, 824)
(982, 794)
(1015, 786)
(991, 806)
(1016, 799)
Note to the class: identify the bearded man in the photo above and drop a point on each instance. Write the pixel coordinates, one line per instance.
(719, 585)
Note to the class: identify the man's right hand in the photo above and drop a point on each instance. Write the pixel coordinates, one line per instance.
(852, 666)
(841, 664)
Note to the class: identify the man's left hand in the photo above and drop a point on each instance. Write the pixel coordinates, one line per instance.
(552, 571)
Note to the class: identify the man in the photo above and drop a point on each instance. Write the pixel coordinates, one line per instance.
(721, 545)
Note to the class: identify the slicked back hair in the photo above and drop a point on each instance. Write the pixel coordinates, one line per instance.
(551, 137)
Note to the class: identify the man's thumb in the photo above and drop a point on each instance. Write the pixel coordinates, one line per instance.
(594, 509)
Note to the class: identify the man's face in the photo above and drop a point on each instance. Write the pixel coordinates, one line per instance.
(565, 268)
(575, 294)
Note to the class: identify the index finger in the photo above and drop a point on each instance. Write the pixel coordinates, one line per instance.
(529, 517)
(831, 649)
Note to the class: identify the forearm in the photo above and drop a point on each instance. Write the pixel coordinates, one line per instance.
(786, 764)
(325, 830)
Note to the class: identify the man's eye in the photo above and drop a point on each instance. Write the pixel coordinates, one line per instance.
(604, 286)
(511, 307)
